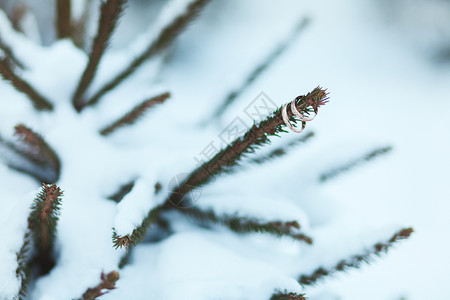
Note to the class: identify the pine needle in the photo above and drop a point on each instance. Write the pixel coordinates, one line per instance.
(21, 85)
(111, 11)
(63, 18)
(162, 42)
(132, 116)
(357, 260)
(23, 270)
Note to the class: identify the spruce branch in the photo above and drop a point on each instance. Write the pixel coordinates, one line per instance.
(357, 260)
(240, 224)
(21, 85)
(349, 166)
(108, 282)
(111, 11)
(122, 192)
(261, 67)
(257, 136)
(130, 240)
(23, 270)
(287, 296)
(132, 116)
(35, 149)
(283, 150)
(42, 223)
(63, 18)
(164, 39)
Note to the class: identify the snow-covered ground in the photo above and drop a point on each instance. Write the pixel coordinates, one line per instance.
(386, 88)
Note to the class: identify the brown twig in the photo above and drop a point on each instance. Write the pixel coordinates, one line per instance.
(63, 18)
(109, 17)
(132, 116)
(21, 85)
(163, 40)
(108, 282)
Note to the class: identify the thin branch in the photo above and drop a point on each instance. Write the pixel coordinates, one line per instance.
(42, 223)
(357, 260)
(23, 270)
(129, 241)
(36, 150)
(122, 192)
(111, 11)
(282, 150)
(132, 116)
(162, 42)
(241, 224)
(63, 18)
(21, 85)
(349, 166)
(287, 296)
(9, 53)
(261, 68)
(79, 26)
(254, 138)
(108, 282)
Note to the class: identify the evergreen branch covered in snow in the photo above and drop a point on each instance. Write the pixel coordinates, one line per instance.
(36, 150)
(261, 68)
(108, 282)
(132, 116)
(21, 85)
(257, 136)
(242, 224)
(347, 167)
(357, 260)
(23, 270)
(283, 149)
(129, 241)
(122, 192)
(111, 11)
(164, 39)
(63, 18)
(287, 296)
(42, 223)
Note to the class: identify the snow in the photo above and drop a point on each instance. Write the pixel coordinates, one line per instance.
(384, 90)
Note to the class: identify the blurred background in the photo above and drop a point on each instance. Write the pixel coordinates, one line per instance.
(386, 65)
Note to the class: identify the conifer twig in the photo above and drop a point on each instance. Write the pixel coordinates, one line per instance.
(37, 150)
(261, 68)
(109, 17)
(9, 53)
(159, 44)
(255, 137)
(42, 223)
(241, 224)
(287, 296)
(347, 167)
(23, 271)
(63, 18)
(122, 192)
(282, 150)
(21, 85)
(131, 240)
(357, 260)
(108, 282)
(132, 116)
